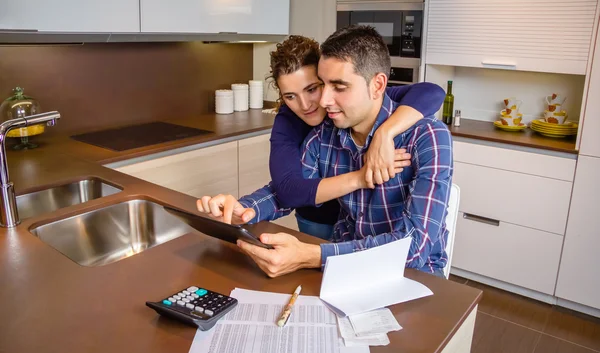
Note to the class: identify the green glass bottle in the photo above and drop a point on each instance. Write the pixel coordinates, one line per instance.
(448, 106)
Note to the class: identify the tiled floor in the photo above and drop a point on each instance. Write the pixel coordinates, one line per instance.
(507, 322)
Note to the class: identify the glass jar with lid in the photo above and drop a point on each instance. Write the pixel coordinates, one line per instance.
(17, 106)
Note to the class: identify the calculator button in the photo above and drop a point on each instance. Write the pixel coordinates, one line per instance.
(177, 297)
(195, 295)
(167, 302)
(171, 299)
(186, 292)
(189, 306)
(199, 309)
(220, 296)
(201, 292)
(192, 289)
(186, 300)
(180, 303)
(190, 297)
(208, 312)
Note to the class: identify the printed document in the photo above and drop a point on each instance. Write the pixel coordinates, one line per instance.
(251, 328)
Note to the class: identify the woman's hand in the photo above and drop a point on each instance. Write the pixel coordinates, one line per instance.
(382, 161)
(225, 208)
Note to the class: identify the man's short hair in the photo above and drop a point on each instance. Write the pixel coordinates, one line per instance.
(362, 46)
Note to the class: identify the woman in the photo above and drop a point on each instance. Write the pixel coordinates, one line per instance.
(294, 74)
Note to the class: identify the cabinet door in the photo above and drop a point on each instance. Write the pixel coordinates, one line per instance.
(254, 171)
(590, 144)
(578, 278)
(71, 15)
(529, 35)
(209, 16)
(206, 171)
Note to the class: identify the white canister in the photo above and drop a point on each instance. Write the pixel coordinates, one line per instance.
(256, 94)
(224, 101)
(240, 96)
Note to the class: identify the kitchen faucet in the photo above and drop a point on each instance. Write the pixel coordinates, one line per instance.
(9, 215)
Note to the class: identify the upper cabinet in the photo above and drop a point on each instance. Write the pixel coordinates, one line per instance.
(210, 16)
(590, 143)
(70, 15)
(529, 35)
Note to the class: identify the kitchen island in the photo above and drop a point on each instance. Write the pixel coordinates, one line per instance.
(53, 304)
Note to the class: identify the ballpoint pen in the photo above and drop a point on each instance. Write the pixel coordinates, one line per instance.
(287, 311)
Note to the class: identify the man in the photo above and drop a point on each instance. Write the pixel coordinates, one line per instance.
(353, 66)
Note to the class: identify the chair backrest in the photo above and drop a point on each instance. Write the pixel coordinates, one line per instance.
(451, 219)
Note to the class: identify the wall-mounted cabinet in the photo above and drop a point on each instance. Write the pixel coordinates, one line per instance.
(208, 16)
(526, 35)
(70, 15)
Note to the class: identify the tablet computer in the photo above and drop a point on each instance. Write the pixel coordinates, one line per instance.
(217, 229)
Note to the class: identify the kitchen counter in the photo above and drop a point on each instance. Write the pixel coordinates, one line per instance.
(223, 127)
(52, 304)
(485, 130)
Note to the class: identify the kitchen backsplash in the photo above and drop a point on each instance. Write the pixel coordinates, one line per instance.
(95, 86)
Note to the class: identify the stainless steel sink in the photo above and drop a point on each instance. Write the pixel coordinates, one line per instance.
(112, 233)
(52, 199)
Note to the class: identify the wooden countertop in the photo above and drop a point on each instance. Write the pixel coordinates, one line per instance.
(484, 130)
(51, 304)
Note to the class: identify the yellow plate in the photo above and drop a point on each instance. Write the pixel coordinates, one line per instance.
(509, 127)
(553, 131)
(569, 125)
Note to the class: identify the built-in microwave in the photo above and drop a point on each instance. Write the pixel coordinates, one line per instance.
(400, 23)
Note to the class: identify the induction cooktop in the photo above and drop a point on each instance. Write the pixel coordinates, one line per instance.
(136, 136)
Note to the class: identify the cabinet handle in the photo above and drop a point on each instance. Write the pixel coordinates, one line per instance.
(497, 64)
(228, 32)
(480, 219)
(18, 30)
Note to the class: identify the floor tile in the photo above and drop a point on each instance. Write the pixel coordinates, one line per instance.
(458, 279)
(493, 335)
(512, 307)
(549, 344)
(574, 327)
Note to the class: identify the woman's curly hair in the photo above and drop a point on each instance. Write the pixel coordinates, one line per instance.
(291, 55)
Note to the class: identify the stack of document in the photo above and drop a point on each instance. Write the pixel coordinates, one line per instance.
(358, 287)
(371, 279)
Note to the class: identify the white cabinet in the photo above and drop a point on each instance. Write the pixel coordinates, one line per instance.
(513, 213)
(313, 18)
(254, 171)
(209, 16)
(528, 35)
(253, 164)
(205, 171)
(507, 252)
(590, 143)
(578, 279)
(70, 15)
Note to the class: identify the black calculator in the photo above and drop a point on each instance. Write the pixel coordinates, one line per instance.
(195, 306)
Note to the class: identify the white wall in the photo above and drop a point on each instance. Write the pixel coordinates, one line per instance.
(479, 93)
(311, 18)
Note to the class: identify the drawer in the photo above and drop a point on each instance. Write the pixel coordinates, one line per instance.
(522, 256)
(511, 197)
(561, 168)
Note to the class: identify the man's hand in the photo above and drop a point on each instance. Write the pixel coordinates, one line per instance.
(289, 254)
(225, 208)
(382, 161)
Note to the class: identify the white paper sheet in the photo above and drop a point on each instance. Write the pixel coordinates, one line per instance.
(351, 339)
(251, 328)
(370, 279)
(374, 322)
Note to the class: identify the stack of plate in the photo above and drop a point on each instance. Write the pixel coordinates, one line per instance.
(554, 130)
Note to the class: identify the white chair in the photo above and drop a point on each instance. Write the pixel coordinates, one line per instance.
(451, 219)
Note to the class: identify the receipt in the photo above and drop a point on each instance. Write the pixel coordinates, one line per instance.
(374, 322)
(351, 339)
